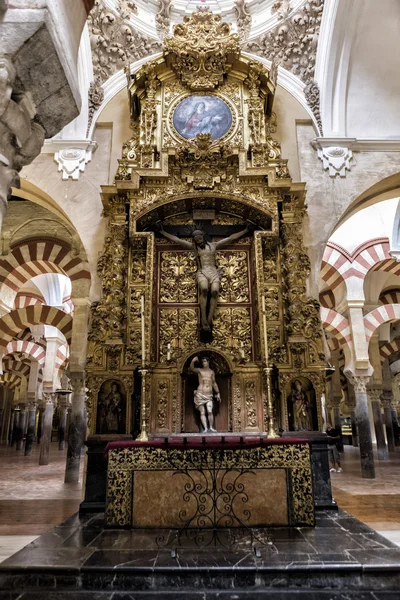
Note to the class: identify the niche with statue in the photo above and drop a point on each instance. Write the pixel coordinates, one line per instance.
(301, 405)
(111, 407)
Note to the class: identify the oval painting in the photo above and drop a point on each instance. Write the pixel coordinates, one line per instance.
(202, 114)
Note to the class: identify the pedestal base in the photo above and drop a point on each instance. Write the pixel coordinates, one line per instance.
(96, 472)
(320, 467)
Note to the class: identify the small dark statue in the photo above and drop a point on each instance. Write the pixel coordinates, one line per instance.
(111, 411)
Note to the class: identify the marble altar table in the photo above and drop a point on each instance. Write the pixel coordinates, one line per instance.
(209, 482)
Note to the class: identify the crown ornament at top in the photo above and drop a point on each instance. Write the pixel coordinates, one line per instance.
(201, 50)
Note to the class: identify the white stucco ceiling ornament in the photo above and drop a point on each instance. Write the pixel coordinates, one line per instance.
(163, 18)
(114, 40)
(243, 19)
(283, 32)
(292, 44)
(335, 159)
(72, 160)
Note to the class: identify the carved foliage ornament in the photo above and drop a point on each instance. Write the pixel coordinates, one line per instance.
(293, 43)
(163, 17)
(243, 19)
(115, 43)
(201, 49)
(108, 314)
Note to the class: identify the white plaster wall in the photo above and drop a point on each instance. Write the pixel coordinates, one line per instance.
(374, 82)
(116, 115)
(288, 110)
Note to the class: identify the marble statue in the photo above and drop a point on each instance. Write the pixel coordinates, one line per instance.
(208, 276)
(301, 408)
(203, 396)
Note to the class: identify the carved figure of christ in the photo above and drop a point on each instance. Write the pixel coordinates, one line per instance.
(208, 276)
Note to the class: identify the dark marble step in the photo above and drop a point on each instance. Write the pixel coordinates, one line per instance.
(80, 556)
(213, 595)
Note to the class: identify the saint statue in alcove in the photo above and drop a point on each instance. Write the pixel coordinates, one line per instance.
(204, 395)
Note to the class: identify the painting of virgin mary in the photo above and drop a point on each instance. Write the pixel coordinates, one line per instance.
(202, 114)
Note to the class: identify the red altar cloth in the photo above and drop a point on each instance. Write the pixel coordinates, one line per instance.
(226, 442)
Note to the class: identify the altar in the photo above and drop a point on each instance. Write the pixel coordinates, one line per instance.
(204, 324)
(209, 482)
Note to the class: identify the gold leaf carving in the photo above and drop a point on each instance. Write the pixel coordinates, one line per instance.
(234, 282)
(201, 50)
(177, 277)
(232, 327)
(162, 404)
(250, 403)
(178, 327)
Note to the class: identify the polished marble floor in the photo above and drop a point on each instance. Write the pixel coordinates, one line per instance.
(34, 498)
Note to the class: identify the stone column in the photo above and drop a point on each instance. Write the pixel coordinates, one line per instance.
(30, 434)
(387, 397)
(336, 397)
(396, 428)
(16, 429)
(364, 431)
(42, 406)
(374, 395)
(11, 428)
(76, 432)
(352, 405)
(63, 408)
(375, 389)
(395, 386)
(21, 427)
(47, 426)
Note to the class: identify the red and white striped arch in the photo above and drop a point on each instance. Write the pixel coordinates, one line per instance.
(337, 324)
(24, 299)
(378, 316)
(26, 335)
(327, 299)
(334, 262)
(390, 297)
(18, 320)
(31, 349)
(389, 348)
(338, 264)
(37, 256)
(62, 357)
(21, 368)
(10, 380)
(333, 343)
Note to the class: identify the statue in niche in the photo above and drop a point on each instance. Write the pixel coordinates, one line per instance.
(111, 409)
(302, 407)
(208, 276)
(204, 395)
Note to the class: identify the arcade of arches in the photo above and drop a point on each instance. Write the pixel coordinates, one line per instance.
(119, 138)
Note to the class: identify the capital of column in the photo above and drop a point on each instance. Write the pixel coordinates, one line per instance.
(374, 394)
(63, 398)
(49, 397)
(78, 383)
(359, 382)
(386, 398)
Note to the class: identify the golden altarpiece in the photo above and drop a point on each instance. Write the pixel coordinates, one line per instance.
(202, 151)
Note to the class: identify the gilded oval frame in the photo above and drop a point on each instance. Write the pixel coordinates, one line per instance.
(180, 138)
